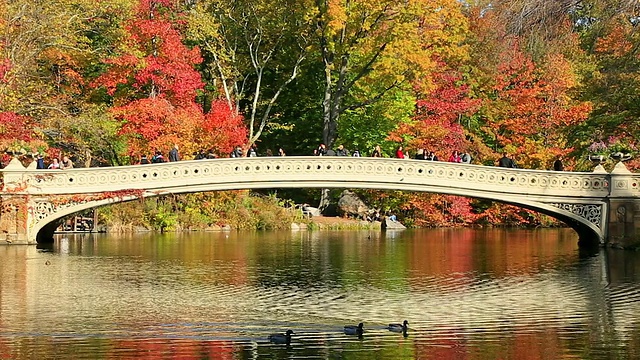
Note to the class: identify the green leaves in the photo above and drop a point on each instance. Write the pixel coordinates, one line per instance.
(371, 49)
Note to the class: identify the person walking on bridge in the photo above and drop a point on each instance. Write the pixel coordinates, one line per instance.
(506, 162)
(144, 160)
(55, 165)
(40, 162)
(173, 154)
(157, 157)
(455, 157)
(377, 152)
(321, 150)
(557, 165)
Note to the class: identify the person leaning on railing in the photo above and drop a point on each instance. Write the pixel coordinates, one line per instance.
(66, 163)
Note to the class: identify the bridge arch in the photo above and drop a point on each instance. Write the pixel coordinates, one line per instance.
(587, 230)
(578, 199)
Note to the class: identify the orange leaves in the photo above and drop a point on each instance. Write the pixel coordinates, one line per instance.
(515, 71)
(529, 104)
(371, 48)
(154, 123)
(558, 75)
(337, 16)
(614, 84)
(429, 210)
(223, 128)
(118, 74)
(450, 98)
(66, 72)
(616, 43)
(15, 126)
(5, 66)
(17, 134)
(146, 117)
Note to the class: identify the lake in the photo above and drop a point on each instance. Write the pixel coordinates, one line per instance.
(466, 293)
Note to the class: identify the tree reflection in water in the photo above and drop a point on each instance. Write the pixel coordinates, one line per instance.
(476, 294)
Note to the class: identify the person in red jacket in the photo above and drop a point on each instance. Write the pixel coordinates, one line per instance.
(455, 157)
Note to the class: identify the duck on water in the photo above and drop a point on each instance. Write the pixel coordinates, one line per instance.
(281, 338)
(354, 330)
(399, 327)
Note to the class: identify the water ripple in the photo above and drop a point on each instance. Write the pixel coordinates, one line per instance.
(177, 298)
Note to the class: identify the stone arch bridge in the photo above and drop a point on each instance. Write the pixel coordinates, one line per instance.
(602, 207)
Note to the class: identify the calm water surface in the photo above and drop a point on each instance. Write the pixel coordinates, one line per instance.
(467, 294)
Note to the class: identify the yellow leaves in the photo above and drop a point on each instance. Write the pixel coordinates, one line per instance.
(47, 45)
(398, 39)
(336, 15)
(202, 26)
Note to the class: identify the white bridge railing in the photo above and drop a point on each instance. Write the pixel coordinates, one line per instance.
(353, 172)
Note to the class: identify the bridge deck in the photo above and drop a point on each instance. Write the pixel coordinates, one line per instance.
(281, 171)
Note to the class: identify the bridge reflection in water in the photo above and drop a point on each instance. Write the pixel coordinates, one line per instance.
(466, 293)
(583, 200)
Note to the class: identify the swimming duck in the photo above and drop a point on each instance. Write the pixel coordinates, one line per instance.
(281, 338)
(354, 330)
(399, 327)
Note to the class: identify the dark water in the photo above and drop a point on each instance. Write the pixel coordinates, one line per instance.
(467, 294)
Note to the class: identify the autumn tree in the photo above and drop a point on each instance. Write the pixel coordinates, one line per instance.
(371, 48)
(154, 85)
(591, 36)
(528, 105)
(18, 137)
(614, 88)
(254, 50)
(436, 126)
(43, 46)
(437, 121)
(46, 53)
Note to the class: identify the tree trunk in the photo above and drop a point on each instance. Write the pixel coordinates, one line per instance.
(325, 200)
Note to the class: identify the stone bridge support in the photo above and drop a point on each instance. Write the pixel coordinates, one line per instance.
(14, 219)
(14, 207)
(624, 209)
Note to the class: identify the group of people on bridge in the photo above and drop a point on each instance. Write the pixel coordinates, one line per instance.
(238, 151)
(55, 164)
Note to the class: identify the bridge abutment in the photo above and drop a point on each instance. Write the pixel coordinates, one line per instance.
(14, 213)
(14, 206)
(624, 224)
(623, 228)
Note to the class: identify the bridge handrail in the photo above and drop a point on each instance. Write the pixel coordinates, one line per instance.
(347, 169)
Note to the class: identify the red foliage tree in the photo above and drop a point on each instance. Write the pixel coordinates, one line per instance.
(16, 127)
(154, 84)
(18, 135)
(223, 127)
(156, 62)
(436, 124)
(529, 97)
(436, 127)
(531, 105)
